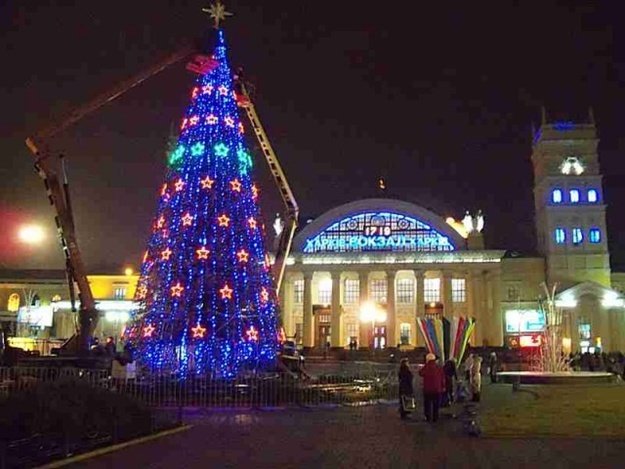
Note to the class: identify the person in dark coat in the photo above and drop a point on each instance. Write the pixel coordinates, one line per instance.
(433, 387)
(405, 385)
(492, 367)
(451, 375)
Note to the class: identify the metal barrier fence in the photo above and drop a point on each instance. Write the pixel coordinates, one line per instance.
(262, 390)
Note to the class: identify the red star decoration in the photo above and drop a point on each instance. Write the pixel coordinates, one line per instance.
(148, 330)
(222, 90)
(267, 262)
(207, 182)
(202, 253)
(226, 292)
(177, 290)
(211, 119)
(264, 295)
(145, 256)
(243, 255)
(254, 192)
(164, 189)
(229, 121)
(281, 335)
(165, 253)
(179, 185)
(187, 219)
(252, 222)
(252, 334)
(224, 220)
(194, 120)
(141, 292)
(241, 128)
(207, 89)
(184, 124)
(235, 185)
(160, 222)
(198, 331)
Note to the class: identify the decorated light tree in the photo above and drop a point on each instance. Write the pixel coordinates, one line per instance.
(551, 357)
(207, 300)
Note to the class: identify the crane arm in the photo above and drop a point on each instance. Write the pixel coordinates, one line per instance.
(292, 210)
(58, 194)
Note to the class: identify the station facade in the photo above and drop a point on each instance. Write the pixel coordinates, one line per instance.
(361, 273)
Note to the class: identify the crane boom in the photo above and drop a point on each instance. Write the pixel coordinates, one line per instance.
(292, 210)
(58, 194)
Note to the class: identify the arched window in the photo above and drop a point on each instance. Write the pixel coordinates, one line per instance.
(556, 196)
(560, 235)
(574, 196)
(14, 302)
(592, 195)
(577, 235)
(594, 235)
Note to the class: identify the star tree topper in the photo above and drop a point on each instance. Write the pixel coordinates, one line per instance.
(217, 11)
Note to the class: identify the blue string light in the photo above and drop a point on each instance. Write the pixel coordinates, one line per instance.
(204, 310)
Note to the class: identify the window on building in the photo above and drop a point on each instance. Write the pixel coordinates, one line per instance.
(584, 329)
(324, 292)
(378, 291)
(119, 293)
(351, 292)
(458, 290)
(594, 235)
(592, 195)
(14, 302)
(577, 235)
(352, 332)
(560, 235)
(404, 333)
(556, 196)
(298, 291)
(405, 290)
(432, 290)
(514, 292)
(574, 196)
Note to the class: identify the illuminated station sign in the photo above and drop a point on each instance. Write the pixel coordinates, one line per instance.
(378, 231)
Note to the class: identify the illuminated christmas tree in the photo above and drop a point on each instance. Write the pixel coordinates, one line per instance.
(207, 299)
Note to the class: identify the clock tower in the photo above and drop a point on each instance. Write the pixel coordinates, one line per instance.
(569, 203)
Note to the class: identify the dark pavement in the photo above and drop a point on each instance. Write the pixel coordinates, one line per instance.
(349, 437)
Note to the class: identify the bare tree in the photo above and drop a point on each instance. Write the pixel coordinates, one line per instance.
(551, 357)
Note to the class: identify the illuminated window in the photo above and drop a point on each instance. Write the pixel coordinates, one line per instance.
(577, 235)
(556, 196)
(458, 290)
(352, 332)
(432, 290)
(119, 293)
(574, 196)
(378, 290)
(583, 329)
(298, 291)
(560, 235)
(405, 290)
(404, 333)
(594, 235)
(324, 292)
(592, 195)
(351, 293)
(14, 302)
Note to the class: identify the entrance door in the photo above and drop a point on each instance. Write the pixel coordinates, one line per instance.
(379, 337)
(324, 335)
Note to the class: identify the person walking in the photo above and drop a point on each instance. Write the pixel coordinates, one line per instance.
(451, 376)
(405, 386)
(476, 379)
(433, 387)
(492, 367)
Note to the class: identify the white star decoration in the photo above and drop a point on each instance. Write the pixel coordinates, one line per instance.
(217, 12)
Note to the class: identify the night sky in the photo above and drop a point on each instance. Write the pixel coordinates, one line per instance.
(437, 99)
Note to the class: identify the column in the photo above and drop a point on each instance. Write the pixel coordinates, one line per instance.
(336, 339)
(420, 303)
(477, 308)
(309, 333)
(448, 309)
(363, 329)
(497, 314)
(391, 319)
(286, 300)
